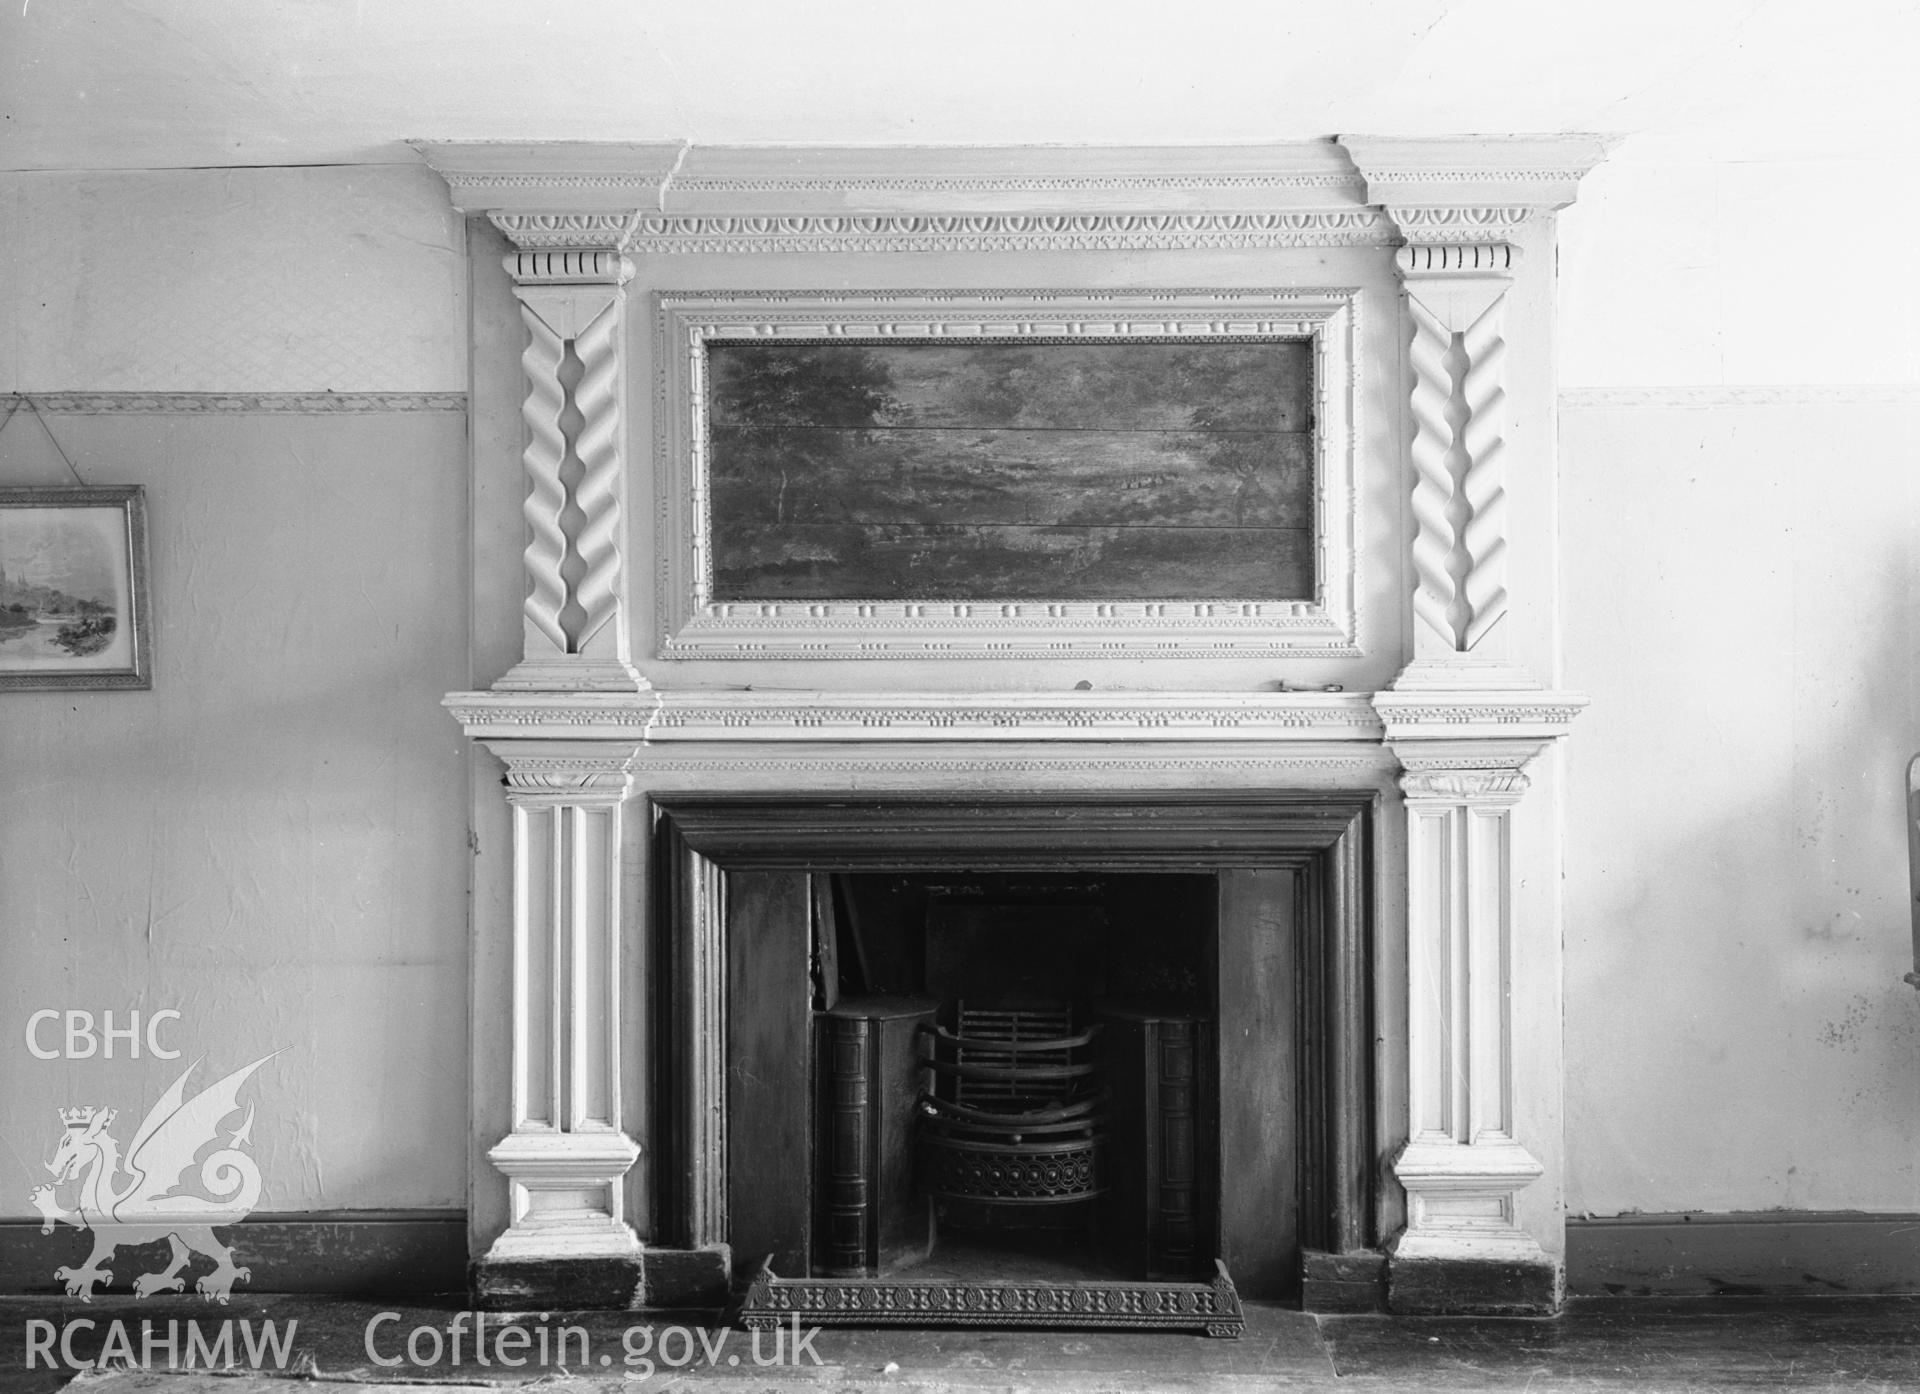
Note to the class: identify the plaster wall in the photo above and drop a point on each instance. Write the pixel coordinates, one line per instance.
(272, 841)
(1741, 567)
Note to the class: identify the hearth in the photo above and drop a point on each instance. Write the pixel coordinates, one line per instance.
(1016, 1052)
(1014, 1072)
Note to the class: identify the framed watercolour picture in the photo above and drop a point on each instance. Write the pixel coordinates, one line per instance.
(1007, 475)
(73, 588)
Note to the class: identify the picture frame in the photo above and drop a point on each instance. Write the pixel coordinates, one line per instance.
(74, 607)
(734, 586)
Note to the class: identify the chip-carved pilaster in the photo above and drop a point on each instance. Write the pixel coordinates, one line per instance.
(568, 1151)
(573, 299)
(1433, 484)
(598, 397)
(1456, 301)
(1483, 439)
(1462, 207)
(545, 454)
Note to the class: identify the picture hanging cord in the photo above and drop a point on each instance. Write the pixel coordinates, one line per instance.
(34, 407)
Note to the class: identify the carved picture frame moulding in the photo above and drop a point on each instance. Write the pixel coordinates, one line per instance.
(691, 625)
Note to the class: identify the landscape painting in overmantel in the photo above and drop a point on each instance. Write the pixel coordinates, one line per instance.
(997, 471)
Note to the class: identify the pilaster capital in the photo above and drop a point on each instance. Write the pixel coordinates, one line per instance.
(576, 773)
(597, 264)
(1457, 282)
(1499, 785)
(1447, 262)
(570, 209)
(1471, 744)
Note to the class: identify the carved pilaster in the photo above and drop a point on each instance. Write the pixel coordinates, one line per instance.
(1462, 207)
(568, 1152)
(1456, 299)
(1462, 1166)
(570, 278)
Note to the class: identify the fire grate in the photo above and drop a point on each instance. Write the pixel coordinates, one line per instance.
(1018, 1112)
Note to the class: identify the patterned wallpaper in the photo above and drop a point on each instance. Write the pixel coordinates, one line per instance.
(344, 279)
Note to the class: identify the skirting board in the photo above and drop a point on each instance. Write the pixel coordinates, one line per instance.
(1769, 1252)
(360, 1253)
(376, 1253)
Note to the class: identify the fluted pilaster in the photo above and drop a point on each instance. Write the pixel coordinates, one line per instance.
(568, 1153)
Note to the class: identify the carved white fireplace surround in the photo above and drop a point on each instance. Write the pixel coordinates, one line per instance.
(1442, 251)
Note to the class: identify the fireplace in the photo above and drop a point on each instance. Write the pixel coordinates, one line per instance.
(1345, 785)
(833, 967)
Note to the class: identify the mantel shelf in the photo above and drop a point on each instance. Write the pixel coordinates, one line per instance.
(749, 715)
(820, 716)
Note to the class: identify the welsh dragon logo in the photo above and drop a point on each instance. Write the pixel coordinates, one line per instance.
(147, 1207)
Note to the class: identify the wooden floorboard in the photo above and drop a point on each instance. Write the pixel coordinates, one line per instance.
(1647, 1346)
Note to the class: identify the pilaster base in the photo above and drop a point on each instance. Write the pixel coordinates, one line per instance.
(655, 1280)
(562, 1284)
(564, 1191)
(1463, 1251)
(1506, 1287)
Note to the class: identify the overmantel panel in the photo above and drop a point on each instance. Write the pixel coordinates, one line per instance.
(1339, 299)
(1032, 229)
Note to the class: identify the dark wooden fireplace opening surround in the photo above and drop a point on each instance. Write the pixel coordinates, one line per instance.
(1285, 1148)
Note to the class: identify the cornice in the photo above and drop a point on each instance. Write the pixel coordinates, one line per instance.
(555, 176)
(1473, 742)
(675, 198)
(680, 177)
(1516, 176)
(665, 717)
(1476, 714)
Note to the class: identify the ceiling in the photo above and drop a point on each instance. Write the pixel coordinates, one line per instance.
(148, 84)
